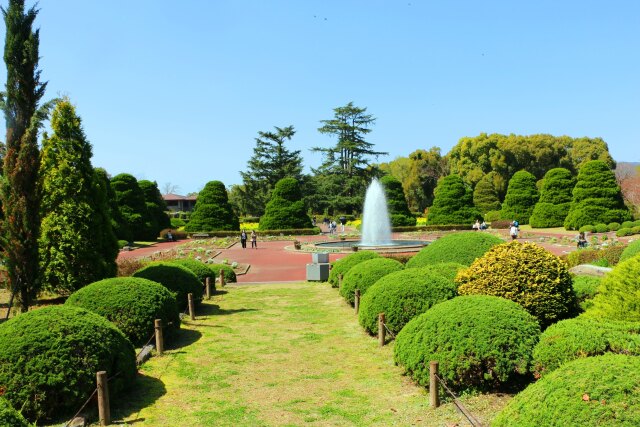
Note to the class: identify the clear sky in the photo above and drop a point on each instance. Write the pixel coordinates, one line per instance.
(176, 91)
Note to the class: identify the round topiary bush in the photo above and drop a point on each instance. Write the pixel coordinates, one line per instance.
(583, 337)
(601, 228)
(212, 210)
(229, 274)
(453, 203)
(200, 269)
(462, 248)
(285, 209)
(401, 296)
(585, 288)
(622, 232)
(590, 392)
(49, 359)
(178, 279)
(481, 342)
(365, 274)
(630, 251)
(449, 270)
(131, 303)
(627, 224)
(613, 226)
(10, 417)
(618, 295)
(343, 265)
(588, 229)
(525, 273)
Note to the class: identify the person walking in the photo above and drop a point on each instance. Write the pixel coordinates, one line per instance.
(254, 239)
(514, 232)
(243, 239)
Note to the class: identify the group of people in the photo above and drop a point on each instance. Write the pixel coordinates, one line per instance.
(479, 226)
(254, 239)
(331, 225)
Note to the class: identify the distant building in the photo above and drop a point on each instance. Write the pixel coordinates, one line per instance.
(176, 202)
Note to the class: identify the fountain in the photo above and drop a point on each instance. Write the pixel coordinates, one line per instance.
(376, 227)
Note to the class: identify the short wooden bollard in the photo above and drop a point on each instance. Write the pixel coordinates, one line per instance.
(356, 300)
(340, 281)
(222, 278)
(207, 287)
(159, 338)
(104, 412)
(192, 310)
(381, 330)
(434, 396)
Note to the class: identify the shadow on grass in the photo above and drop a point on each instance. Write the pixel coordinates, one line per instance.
(215, 310)
(183, 338)
(146, 391)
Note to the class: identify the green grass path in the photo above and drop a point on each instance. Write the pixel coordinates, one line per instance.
(282, 355)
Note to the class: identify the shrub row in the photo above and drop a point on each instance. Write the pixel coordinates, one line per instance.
(631, 250)
(363, 275)
(434, 227)
(343, 265)
(605, 256)
(612, 226)
(288, 232)
(628, 231)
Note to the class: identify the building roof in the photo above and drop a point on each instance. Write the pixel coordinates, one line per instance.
(175, 197)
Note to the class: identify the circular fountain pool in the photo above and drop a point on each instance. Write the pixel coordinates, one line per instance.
(392, 246)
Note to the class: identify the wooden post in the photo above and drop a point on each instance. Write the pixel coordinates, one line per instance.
(356, 300)
(207, 287)
(104, 412)
(159, 338)
(381, 330)
(340, 281)
(434, 396)
(192, 311)
(221, 278)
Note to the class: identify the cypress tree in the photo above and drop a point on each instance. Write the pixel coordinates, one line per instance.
(77, 245)
(132, 207)
(397, 202)
(156, 206)
(118, 225)
(453, 203)
(522, 196)
(212, 210)
(596, 198)
(485, 195)
(285, 209)
(20, 200)
(555, 199)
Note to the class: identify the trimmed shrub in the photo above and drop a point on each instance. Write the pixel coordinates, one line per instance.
(635, 229)
(606, 256)
(480, 342)
(453, 203)
(585, 288)
(636, 223)
(601, 228)
(10, 417)
(501, 224)
(229, 274)
(401, 296)
(596, 198)
(365, 274)
(555, 199)
(627, 224)
(200, 269)
(485, 196)
(525, 273)
(399, 212)
(130, 303)
(178, 279)
(618, 296)
(212, 210)
(343, 265)
(613, 226)
(49, 359)
(590, 392)
(582, 337)
(399, 220)
(622, 232)
(462, 248)
(492, 216)
(522, 196)
(588, 229)
(285, 208)
(449, 270)
(177, 223)
(630, 251)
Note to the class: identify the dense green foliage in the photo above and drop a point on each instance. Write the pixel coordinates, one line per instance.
(590, 392)
(585, 288)
(522, 196)
(461, 248)
(525, 273)
(229, 274)
(480, 342)
(20, 225)
(555, 199)
(399, 212)
(156, 206)
(453, 203)
(9, 417)
(49, 359)
(286, 208)
(485, 195)
(118, 225)
(596, 198)
(77, 243)
(618, 296)
(365, 274)
(343, 265)
(401, 296)
(132, 207)
(604, 256)
(582, 337)
(200, 269)
(448, 270)
(631, 250)
(130, 303)
(178, 279)
(212, 210)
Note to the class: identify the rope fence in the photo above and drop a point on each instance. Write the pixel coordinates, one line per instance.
(434, 382)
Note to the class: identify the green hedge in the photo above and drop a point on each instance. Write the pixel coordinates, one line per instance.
(229, 274)
(462, 248)
(343, 265)
(130, 303)
(618, 296)
(585, 288)
(613, 226)
(178, 279)
(582, 337)
(630, 251)
(443, 227)
(590, 392)
(200, 269)
(10, 417)
(481, 342)
(606, 256)
(449, 270)
(365, 274)
(49, 359)
(401, 296)
(286, 232)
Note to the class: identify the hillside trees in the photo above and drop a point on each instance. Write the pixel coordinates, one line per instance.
(453, 203)
(213, 211)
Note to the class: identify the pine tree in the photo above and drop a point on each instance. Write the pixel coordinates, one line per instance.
(522, 196)
(20, 199)
(453, 203)
(485, 195)
(212, 210)
(77, 245)
(555, 199)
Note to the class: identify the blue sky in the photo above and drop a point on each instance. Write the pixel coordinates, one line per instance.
(176, 91)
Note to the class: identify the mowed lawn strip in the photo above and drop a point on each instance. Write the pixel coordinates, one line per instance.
(283, 355)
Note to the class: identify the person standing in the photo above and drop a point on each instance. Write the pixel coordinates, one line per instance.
(514, 232)
(243, 239)
(254, 239)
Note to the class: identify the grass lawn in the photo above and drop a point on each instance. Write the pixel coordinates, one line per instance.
(283, 355)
